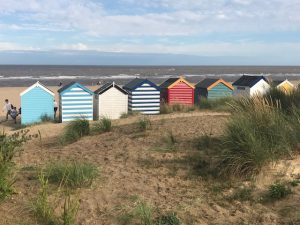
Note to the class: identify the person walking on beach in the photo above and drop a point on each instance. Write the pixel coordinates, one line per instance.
(7, 108)
(55, 108)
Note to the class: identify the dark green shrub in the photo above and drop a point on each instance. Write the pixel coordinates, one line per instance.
(278, 191)
(71, 174)
(103, 125)
(75, 130)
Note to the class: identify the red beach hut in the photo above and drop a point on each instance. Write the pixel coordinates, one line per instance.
(177, 91)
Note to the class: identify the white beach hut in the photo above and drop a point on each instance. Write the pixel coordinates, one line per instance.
(249, 86)
(111, 101)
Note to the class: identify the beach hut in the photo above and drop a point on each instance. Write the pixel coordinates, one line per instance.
(177, 91)
(75, 102)
(143, 96)
(283, 85)
(250, 86)
(110, 101)
(212, 88)
(37, 102)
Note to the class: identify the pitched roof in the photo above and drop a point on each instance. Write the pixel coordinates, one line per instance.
(248, 81)
(173, 81)
(209, 83)
(277, 82)
(206, 82)
(37, 84)
(66, 87)
(168, 82)
(137, 82)
(107, 86)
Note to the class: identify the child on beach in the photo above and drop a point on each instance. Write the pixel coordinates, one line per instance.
(7, 108)
(14, 114)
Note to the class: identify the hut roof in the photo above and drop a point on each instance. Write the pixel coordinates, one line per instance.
(249, 81)
(107, 86)
(209, 83)
(37, 84)
(173, 81)
(137, 82)
(66, 87)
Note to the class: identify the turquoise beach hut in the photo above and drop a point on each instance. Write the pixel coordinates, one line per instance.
(37, 101)
(75, 102)
(212, 89)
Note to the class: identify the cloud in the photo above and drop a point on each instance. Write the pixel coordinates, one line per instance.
(9, 46)
(158, 17)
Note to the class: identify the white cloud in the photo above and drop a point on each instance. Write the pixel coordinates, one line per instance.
(10, 46)
(168, 18)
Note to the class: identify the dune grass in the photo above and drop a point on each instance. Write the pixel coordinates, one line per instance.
(144, 124)
(75, 130)
(258, 133)
(221, 104)
(72, 174)
(171, 108)
(103, 125)
(10, 146)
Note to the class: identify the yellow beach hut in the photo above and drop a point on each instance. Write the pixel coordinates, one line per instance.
(284, 85)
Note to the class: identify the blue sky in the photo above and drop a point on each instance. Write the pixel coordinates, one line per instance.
(263, 31)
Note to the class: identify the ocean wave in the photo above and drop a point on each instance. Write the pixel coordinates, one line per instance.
(128, 76)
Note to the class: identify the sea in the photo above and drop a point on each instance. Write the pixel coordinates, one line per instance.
(51, 75)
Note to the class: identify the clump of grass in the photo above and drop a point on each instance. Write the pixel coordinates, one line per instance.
(296, 181)
(103, 125)
(10, 145)
(7, 181)
(243, 194)
(129, 114)
(44, 209)
(170, 108)
(41, 206)
(70, 210)
(221, 104)
(257, 134)
(71, 174)
(144, 124)
(278, 191)
(46, 118)
(75, 130)
(145, 213)
(169, 218)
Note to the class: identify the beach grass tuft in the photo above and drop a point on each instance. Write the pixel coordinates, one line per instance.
(75, 130)
(103, 125)
(72, 174)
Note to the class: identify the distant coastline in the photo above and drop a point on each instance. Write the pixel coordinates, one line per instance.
(52, 75)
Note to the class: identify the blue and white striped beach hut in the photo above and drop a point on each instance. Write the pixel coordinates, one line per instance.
(37, 101)
(143, 96)
(75, 102)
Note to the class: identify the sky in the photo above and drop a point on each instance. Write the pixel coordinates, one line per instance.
(244, 31)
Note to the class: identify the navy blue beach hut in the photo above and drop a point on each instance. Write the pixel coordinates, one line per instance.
(75, 102)
(37, 102)
(143, 96)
